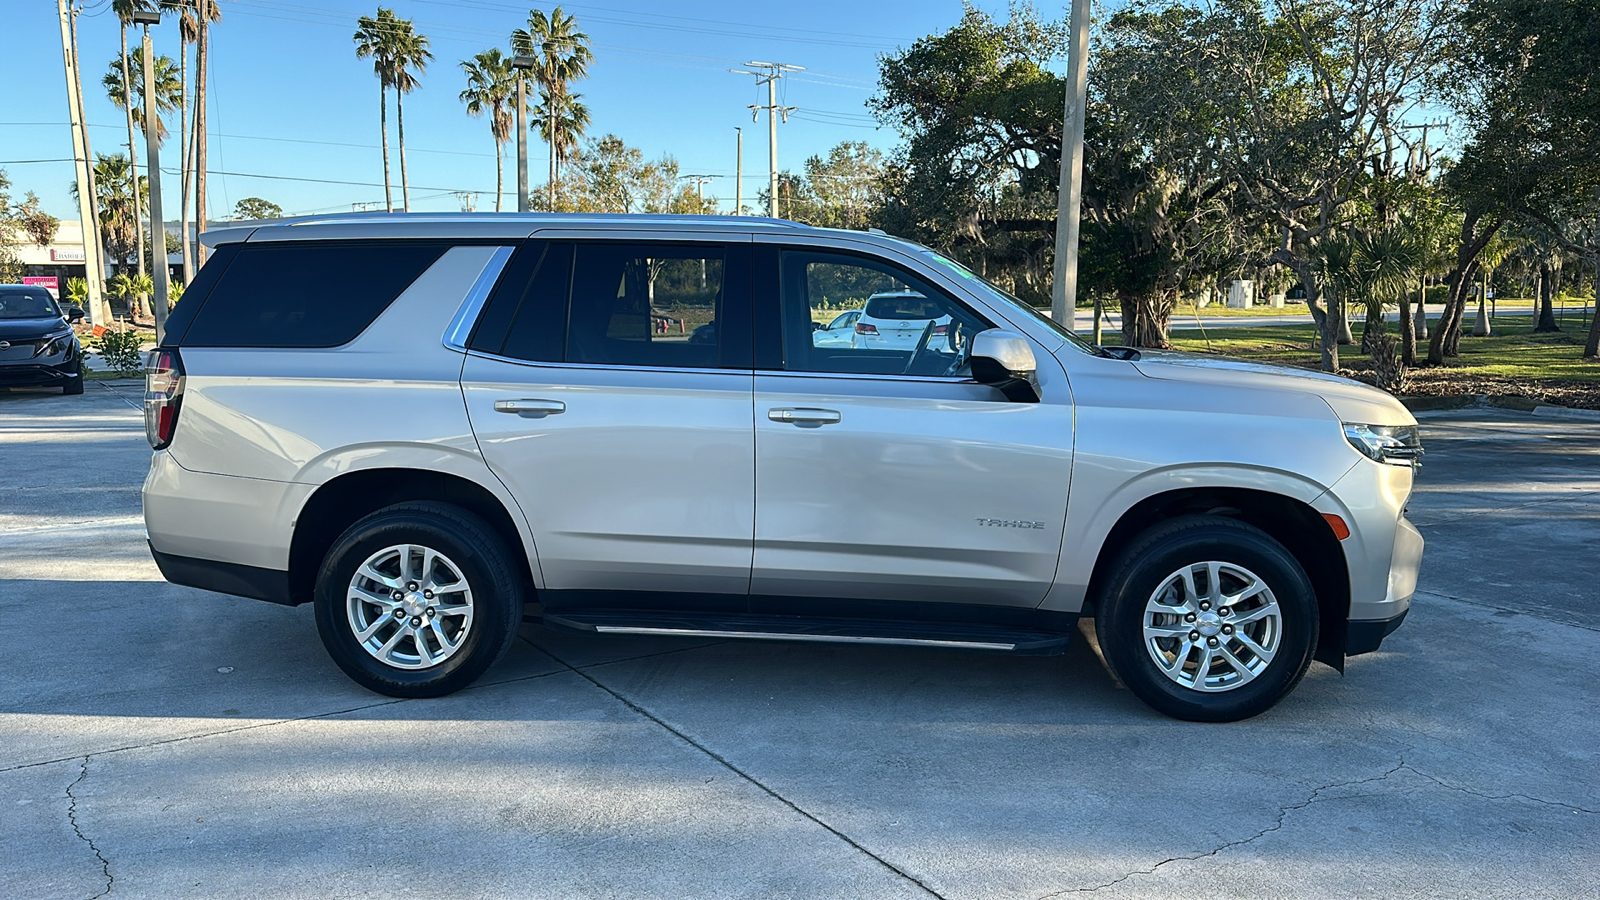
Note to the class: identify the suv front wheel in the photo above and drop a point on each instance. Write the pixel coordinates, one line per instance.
(418, 600)
(1207, 619)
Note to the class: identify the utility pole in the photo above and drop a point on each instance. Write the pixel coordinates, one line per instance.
(522, 64)
(699, 182)
(1064, 290)
(93, 269)
(152, 158)
(468, 200)
(769, 75)
(738, 173)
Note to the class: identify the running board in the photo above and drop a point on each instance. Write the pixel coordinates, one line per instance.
(953, 635)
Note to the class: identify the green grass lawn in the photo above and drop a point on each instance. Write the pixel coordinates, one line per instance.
(1514, 351)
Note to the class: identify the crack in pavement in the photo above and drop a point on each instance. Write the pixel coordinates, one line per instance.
(1283, 814)
(72, 819)
(746, 776)
(1531, 799)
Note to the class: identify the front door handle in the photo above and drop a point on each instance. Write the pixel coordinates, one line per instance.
(805, 418)
(530, 409)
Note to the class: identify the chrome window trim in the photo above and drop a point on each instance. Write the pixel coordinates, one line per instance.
(606, 367)
(842, 376)
(460, 328)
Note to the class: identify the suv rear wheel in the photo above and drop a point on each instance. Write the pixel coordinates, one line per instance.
(418, 600)
(1207, 619)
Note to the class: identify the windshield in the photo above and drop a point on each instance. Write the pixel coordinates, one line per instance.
(1005, 300)
(28, 305)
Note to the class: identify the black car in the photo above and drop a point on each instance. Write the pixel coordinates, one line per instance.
(37, 346)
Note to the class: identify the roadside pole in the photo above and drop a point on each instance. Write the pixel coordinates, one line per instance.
(738, 173)
(1064, 287)
(94, 271)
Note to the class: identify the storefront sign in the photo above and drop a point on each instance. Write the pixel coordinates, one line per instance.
(48, 282)
(66, 255)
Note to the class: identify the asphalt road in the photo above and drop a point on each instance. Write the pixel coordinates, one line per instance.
(158, 741)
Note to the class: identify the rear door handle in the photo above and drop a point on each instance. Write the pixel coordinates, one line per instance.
(530, 409)
(805, 418)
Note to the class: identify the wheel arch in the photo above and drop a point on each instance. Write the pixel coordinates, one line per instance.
(1290, 521)
(338, 503)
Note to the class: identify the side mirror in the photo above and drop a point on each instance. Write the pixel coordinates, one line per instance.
(1004, 360)
(74, 315)
(817, 326)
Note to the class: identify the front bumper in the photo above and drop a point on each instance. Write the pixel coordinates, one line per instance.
(39, 374)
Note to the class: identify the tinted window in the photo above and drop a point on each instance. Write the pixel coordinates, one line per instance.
(903, 306)
(27, 303)
(306, 295)
(526, 316)
(650, 305)
(902, 326)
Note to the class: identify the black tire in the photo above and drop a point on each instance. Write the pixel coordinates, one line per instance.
(1164, 550)
(75, 386)
(473, 547)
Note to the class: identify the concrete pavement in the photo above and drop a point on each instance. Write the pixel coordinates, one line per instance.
(157, 741)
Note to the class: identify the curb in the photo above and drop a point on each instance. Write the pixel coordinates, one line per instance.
(1429, 403)
(1562, 412)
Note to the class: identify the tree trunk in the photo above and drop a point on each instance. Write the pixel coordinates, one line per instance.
(1546, 299)
(1345, 337)
(499, 174)
(184, 167)
(1591, 348)
(1422, 310)
(400, 128)
(202, 57)
(383, 127)
(1447, 333)
(1408, 331)
(133, 157)
(550, 102)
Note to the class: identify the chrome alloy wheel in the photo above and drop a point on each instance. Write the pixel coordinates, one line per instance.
(1212, 626)
(409, 606)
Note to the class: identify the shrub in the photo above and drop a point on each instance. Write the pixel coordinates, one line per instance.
(120, 350)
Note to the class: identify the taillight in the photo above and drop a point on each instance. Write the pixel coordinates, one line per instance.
(941, 329)
(864, 328)
(163, 395)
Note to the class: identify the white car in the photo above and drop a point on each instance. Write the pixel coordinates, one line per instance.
(841, 332)
(896, 321)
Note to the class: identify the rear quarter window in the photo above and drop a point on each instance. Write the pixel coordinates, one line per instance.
(904, 307)
(305, 295)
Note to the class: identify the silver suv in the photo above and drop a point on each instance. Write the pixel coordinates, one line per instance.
(422, 423)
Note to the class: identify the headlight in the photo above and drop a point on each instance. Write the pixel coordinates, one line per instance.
(1397, 445)
(58, 344)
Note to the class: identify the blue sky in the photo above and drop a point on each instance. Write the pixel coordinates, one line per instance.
(285, 75)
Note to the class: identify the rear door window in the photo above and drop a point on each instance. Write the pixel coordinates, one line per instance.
(306, 295)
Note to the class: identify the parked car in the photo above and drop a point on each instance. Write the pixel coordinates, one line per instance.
(899, 320)
(37, 344)
(840, 332)
(485, 419)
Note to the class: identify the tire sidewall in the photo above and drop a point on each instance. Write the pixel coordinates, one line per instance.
(484, 642)
(1120, 623)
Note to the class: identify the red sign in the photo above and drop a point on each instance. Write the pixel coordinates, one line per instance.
(48, 282)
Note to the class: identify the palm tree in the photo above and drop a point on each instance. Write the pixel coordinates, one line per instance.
(562, 121)
(125, 10)
(491, 85)
(373, 39)
(410, 52)
(168, 90)
(117, 207)
(563, 56)
(207, 12)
